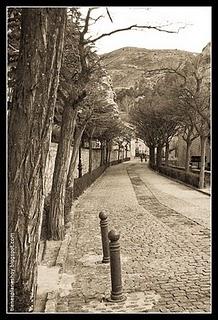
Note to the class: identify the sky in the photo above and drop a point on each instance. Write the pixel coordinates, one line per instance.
(193, 37)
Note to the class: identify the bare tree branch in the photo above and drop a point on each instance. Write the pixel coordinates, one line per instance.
(108, 13)
(160, 28)
(86, 26)
(168, 70)
(95, 20)
(132, 27)
(87, 19)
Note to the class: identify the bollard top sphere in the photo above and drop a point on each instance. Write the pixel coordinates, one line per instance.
(113, 235)
(103, 215)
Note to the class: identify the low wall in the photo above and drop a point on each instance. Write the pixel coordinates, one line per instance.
(96, 158)
(196, 171)
(189, 178)
(81, 184)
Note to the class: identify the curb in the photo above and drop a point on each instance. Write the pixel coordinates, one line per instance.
(51, 301)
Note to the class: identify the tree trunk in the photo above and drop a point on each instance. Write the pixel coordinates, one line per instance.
(118, 153)
(151, 155)
(167, 154)
(71, 174)
(109, 153)
(187, 155)
(159, 156)
(74, 156)
(202, 167)
(109, 158)
(56, 210)
(30, 126)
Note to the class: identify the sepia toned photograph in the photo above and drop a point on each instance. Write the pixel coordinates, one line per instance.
(108, 160)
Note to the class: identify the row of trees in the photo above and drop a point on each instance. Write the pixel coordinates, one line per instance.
(54, 78)
(177, 102)
(30, 125)
(56, 82)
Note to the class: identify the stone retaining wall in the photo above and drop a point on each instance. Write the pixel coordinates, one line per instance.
(96, 157)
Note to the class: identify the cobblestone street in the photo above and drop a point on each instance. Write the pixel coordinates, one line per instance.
(165, 245)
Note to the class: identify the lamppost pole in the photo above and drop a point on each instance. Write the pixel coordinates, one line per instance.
(80, 163)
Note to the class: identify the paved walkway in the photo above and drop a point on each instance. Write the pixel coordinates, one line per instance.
(165, 245)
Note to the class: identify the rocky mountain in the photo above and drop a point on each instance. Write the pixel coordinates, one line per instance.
(125, 65)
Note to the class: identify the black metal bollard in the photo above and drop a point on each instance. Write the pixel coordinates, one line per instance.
(115, 265)
(104, 236)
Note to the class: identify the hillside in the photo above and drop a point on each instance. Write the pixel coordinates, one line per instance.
(125, 65)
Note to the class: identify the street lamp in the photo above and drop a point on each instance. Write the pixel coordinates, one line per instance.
(80, 162)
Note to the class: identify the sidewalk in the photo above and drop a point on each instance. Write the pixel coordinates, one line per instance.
(206, 190)
(165, 246)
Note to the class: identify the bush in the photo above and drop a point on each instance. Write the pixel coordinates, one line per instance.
(192, 179)
(189, 178)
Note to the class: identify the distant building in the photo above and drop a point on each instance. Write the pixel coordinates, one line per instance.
(140, 147)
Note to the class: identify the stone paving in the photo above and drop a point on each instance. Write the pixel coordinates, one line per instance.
(165, 246)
